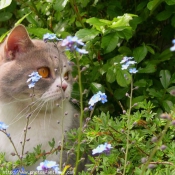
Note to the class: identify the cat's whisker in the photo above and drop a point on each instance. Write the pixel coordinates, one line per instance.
(14, 101)
(26, 112)
(41, 106)
(45, 115)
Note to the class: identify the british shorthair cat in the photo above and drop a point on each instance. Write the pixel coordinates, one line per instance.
(45, 107)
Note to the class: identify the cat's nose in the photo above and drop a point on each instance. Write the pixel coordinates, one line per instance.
(64, 87)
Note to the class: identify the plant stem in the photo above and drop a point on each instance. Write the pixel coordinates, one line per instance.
(25, 135)
(156, 147)
(11, 143)
(128, 127)
(62, 126)
(62, 137)
(81, 113)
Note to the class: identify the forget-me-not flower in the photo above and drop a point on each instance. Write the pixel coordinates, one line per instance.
(50, 37)
(96, 98)
(71, 43)
(34, 77)
(173, 47)
(125, 59)
(48, 166)
(3, 126)
(133, 70)
(126, 63)
(20, 171)
(103, 148)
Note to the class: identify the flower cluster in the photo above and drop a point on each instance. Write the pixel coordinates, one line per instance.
(103, 148)
(20, 171)
(3, 126)
(34, 77)
(47, 166)
(96, 98)
(71, 43)
(127, 62)
(173, 47)
(50, 37)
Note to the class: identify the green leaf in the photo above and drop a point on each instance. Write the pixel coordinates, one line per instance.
(110, 76)
(142, 83)
(120, 93)
(121, 22)
(140, 53)
(4, 3)
(141, 5)
(165, 55)
(20, 20)
(154, 93)
(171, 90)
(39, 32)
(32, 20)
(170, 2)
(99, 24)
(84, 3)
(109, 42)
(150, 49)
(95, 22)
(59, 5)
(167, 105)
(87, 34)
(125, 50)
(165, 77)
(95, 87)
(152, 5)
(172, 78)
(3, 36)
(126, 33)
(138, 99)
(123, 77)
(150, 68)
(164, 15)
(5, 16)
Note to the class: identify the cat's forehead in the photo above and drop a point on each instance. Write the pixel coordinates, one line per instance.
(50, 54)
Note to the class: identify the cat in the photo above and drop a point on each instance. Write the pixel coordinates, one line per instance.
(46, 107)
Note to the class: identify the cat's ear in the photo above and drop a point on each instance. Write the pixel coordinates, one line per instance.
(18, 41)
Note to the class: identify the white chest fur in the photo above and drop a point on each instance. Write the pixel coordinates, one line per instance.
(43, 126)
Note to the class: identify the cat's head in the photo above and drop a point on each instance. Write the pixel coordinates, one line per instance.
(20, 56)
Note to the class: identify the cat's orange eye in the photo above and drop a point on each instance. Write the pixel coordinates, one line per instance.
(44, 72)
(66, 76)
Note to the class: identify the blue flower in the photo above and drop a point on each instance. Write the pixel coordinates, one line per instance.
(125, 59)
(133, 70)
(3, 126)
(83, 51)
(126, 63)
(173, 47)
(173, 41)
(71, 43)
(50, 36)
(49, 165)
(103, 97)
(103, 148)
(34, 77)
(96, 98)
(19, 171)
(125, 66)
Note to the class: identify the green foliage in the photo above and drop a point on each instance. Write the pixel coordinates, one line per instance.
(112, 29)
